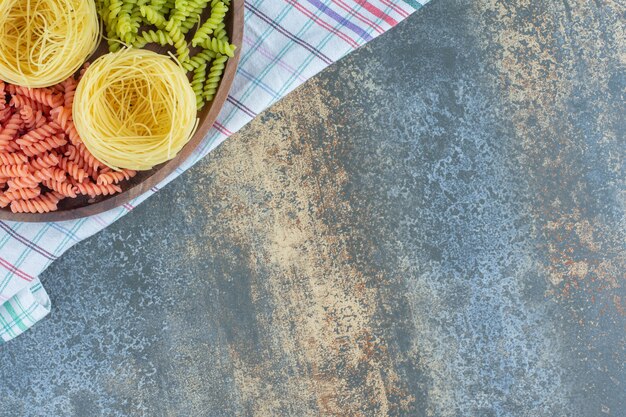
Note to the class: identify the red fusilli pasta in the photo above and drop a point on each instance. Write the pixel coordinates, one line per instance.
(116, 177)
(80, 152)
(63, 117)
(58, 174)
(23, 182)
(19, 101)
(39, 134)
(42, 204)
(13, 159)
(32, 119)
(9, 171)
(19, 194)
(93, 190)
(42, 95)
(73, 169)
(44, 161)
(5, 114)
(10, 131)
(44, 145)
(42, 158)
(64, 188)
(69, 86)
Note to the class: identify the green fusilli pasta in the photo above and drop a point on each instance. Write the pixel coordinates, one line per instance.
(138, 23)
(218, 12)
(105, 11)
(214, 77)
(220, 32)
(180, 43)
(114, 9)
(219, 46)
(197, 84)
(135, 17)
(167, 7)
(124, 24)
(157, 5)
(200, 58)
(182, 10)
(194, 18)
(153, 16)
(151, 36)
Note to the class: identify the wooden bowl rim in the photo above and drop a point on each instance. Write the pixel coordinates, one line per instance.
(162, 172)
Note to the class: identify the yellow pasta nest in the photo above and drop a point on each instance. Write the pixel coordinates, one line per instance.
(43, 42)
(135, 109)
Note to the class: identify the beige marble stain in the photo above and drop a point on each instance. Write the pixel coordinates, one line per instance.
(311, 272)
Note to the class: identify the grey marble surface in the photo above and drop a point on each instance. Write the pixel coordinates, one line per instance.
(435, 226)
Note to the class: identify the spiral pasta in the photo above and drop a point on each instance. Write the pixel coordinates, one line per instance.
(23, 194)
(73, 169)
(213, 79)
(42, 175)
(115, 177)
(69, 90)
(63, 188)
(115, 8)
(8, 171)
(180, 43)
(45, 145)
(197, 6)
(81, 154)
(20, 194)
(45, 161)
(218, 12)
(41, 95)
(42, 204)
(197, 84)
(151, 36)
(9, 132)
(220, 46)
(168, 6)
(63, 117)
(130, 20)
(43, 42)
(124, 26)
(5, 114)
(57, 174)
(220, 33)
(181, 11)
(199, 59)
(153, 16)
(94, 190)
(13, 158)
(28, 181)
(20, 102)
(39, 134)
(31, 118)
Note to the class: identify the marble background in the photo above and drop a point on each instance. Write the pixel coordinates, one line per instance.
(435, 226)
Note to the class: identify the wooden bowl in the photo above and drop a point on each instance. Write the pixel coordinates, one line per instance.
(83, 206)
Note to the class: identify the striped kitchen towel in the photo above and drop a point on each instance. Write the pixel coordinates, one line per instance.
(285, 43)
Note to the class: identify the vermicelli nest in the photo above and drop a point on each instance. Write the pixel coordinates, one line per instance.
(135, 109)
(43, 42)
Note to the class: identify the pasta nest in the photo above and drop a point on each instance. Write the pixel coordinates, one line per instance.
(42, 42)
(135, 109)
